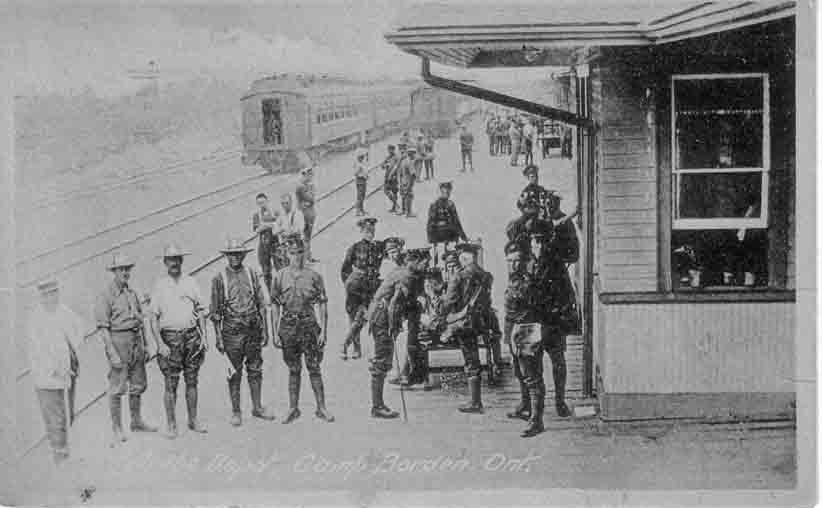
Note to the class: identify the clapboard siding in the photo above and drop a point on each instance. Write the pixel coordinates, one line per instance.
(698, 348)
(626, 183)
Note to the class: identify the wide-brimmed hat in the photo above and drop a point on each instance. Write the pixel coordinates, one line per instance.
(174, 251)
(235, 246)
(447, 185)
(366, 221)
(361, 152)
(47, 286)
(120, 261)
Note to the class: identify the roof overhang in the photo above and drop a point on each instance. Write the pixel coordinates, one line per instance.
(554, 33)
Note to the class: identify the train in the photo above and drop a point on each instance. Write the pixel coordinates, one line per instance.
(290, 123)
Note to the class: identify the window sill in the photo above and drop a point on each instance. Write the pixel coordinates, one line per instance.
(704, 295)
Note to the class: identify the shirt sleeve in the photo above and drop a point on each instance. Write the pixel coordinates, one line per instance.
(102, 311)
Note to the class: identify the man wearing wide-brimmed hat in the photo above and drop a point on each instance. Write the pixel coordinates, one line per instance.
(178, 320)
(240, 306)
(306, 199)
(360, 274)
(119, 318)
(54, 332)
(295, 292)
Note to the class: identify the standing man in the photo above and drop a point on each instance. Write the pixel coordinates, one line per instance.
(361, 178)
(466, 148)
(263, 223)
(295, 292)
(407, 177)
(120, 324)
(444, 224)
(528, 134)
(422, 154)
(55, 332)
(390, 184)
(360, 274)
(490, 127)
(239, 308)
(385, 318)
(305, 203)
(471, 286)
(531, 221)
(429, 155)
(178, 323)
(290, 221)
(515, 134)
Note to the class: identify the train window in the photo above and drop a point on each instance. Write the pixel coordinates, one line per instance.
(272, 122)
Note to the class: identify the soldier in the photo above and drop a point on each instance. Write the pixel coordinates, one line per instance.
(391, 185)
(466, 148)
(515, 134)
(178, 327)
(407, 177)
(305, 203)
(444, 224)
(360, 274)
(471, 285)
(119, 318)
(55, 331)
(490, 126)
(361, 178)
(263, 223)
(519, 229)
(385, 316)
(419, 162)
(295, 291)
(519, 309)
(555, 302)
(428, 160)
(531, 172)
(239, 308)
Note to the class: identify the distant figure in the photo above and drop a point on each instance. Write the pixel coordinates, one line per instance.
(428, 156)
(55, 332)
(528, 135)
(263, 222)
(390, 183)
(466, 148)
(444, 226)
(515, 134)
(421, 155)
(361, 178)
(305, 202)
(290, 221)
(407, 178)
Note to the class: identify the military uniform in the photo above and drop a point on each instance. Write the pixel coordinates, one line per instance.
(360, 275)
(407, 177)
(461, 288)
(305, 194)
(428, 157)
(389, 305)
(391, 184)
(295, 291)
(444, 224)
(238, 306)
(119, 313)
(268, 243)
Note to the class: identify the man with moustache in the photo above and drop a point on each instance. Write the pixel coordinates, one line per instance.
(178, 323)
(240, 306)
(295, 292)
(119, 318)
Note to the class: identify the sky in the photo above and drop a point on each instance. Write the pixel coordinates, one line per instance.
(66, 48)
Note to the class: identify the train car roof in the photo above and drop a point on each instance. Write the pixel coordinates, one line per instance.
(321, 88)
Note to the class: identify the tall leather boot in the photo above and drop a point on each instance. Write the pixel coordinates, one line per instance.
(258, 411)
(137, 422)
(535, 425)
(475, 405)
(293, 396)
(116, 407)
(319, 395)
(191, 404)
(234, 395)
(523, 409)
(170, 402)
(560, 374)
(378, 407)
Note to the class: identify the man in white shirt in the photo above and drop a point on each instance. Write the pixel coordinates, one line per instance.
(291, 221)
(55, 332)
(178, 326)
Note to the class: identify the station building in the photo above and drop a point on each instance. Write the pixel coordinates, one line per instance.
(685, 120)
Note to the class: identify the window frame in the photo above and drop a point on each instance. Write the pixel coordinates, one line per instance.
(760, 222)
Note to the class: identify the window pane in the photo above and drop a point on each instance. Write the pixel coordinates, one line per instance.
(719, 258)
(721, 93)
(719, 195)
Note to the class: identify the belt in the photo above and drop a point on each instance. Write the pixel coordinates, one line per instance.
(124, 330)
(180, 330)
(297, 314)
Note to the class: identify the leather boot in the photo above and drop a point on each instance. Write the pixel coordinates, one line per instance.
(191, 404)
(137, 423)
(535, 426)
(170, 401)
(234, 395)
(523, 410)
(475, 405)
(408, 212)
(116, 407)
(319, 395)
(378, 407)
(560, 375)
(258, 411)
(293, 397)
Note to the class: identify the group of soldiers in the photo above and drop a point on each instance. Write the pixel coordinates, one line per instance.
(513, 135)
(404, 166)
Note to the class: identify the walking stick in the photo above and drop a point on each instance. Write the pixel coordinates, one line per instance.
(402, 389)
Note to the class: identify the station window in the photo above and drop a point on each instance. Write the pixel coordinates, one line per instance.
(272, 122)
(720, 162)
